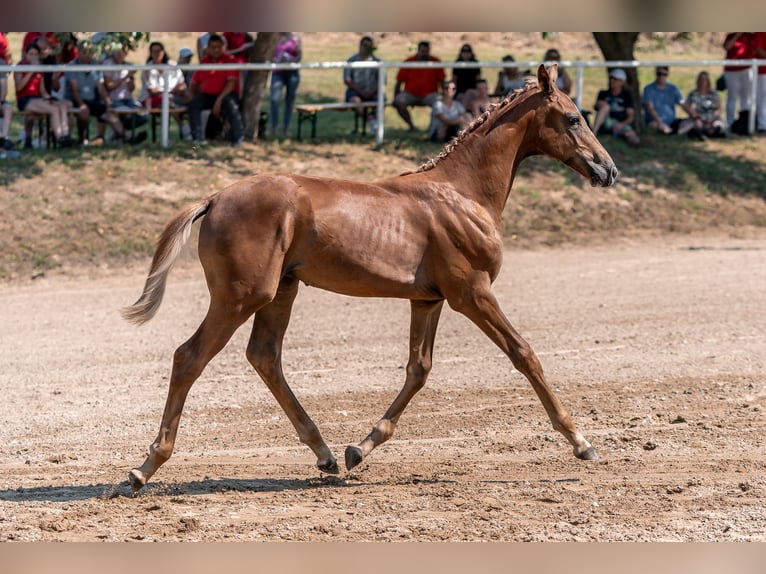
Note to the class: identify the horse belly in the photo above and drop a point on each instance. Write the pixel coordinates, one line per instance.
(377, 252)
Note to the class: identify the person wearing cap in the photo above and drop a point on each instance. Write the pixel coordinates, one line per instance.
(659, 100)
(185, 56)
(417, 86)
(615, 109)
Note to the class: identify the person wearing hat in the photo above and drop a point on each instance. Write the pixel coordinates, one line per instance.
(615, 109)
(185, 56)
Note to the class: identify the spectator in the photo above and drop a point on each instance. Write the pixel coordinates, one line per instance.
(659, 100)
(448, 115)
(32, 96)
(478, 100)
(6, 110)
(185, 56)
(153, 85)
(215, 90)
(362, 83)
(465, 78)
(705, 109)
(52, 80)
(563, 82)
(87, 91)
(738, 46)
(288, 50)
(615, 109)
(202, 41)
(120, 84)
(759, 41)
(417, 86)
(509, 78)
(238, 45)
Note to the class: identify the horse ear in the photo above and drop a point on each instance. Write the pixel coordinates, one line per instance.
(546, 77)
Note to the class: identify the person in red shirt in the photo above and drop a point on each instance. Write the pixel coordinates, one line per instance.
(215, 90)
(739, 78)
(31, 95)
(6, 110)
(417, 86)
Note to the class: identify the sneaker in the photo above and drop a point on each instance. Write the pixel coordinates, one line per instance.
(372, 124)
(6, 143)
(186, 133)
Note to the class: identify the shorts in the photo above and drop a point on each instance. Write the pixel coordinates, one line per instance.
(97, 108)
(609, 123)
(412, 100)
(24, 102)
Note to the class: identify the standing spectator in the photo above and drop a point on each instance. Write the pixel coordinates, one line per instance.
(759, 41)
(705, 110)
(87, 91)
(448, 115)
(563, 82)
(615, 109)
(6, 110)
(288, 50)
(465, 78)
(417, 86)
(362, 83)
(238, 45)
(31, 95)
(660, 99)
(738, 46)
(215, 90)
(509, 78)
(153, 85)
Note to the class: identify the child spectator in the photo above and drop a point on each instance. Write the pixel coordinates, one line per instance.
(448, 116)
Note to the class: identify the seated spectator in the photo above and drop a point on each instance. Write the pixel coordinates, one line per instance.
(32, 96)
(465, 78)
(185, 56)
(88, 93)
(509, 78)
(615, 109)
(660, 99)
(448, 116)
(288, 50)
(362, 83)
(153, 85)
(215, 90)
(417, 86)
(6, 110)
(705, 111)
(563, 82)
(478, 100)
(120, 85)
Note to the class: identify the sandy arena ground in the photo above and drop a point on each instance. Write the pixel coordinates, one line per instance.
(658, 349)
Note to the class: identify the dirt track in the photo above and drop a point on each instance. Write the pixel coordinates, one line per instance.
(658, 351)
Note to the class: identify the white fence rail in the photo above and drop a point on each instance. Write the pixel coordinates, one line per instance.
(578, 65)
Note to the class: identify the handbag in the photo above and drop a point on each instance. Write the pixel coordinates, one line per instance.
(720, 83)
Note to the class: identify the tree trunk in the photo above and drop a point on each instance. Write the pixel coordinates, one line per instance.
(619, 46)
(255, 83)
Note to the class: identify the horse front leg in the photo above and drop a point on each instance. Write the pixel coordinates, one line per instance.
(188, 363)
(264, 351)
(423, 323)
(480, 306)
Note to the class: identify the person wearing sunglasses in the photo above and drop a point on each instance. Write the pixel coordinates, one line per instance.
(659, 100)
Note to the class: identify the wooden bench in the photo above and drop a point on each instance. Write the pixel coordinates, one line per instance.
(43, 124)
(308, 112)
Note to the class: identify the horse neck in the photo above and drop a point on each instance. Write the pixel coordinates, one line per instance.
(484, 166)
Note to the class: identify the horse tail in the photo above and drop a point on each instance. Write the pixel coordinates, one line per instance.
(169, 246)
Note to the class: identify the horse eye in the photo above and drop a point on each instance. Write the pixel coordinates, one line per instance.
(574, 120)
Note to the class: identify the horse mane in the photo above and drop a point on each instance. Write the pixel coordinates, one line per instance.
(511, 99)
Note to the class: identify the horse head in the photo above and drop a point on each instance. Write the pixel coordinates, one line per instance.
(561, 132)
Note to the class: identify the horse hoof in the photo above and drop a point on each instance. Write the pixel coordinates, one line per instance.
(353, 456)
(330, 466)
(136, 479)
(588, 454)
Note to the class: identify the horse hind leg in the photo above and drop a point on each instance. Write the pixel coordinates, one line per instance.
(188, 363)
(423, 323)
(264, 351)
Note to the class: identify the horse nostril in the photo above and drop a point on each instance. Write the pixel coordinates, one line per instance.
(613, 174)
